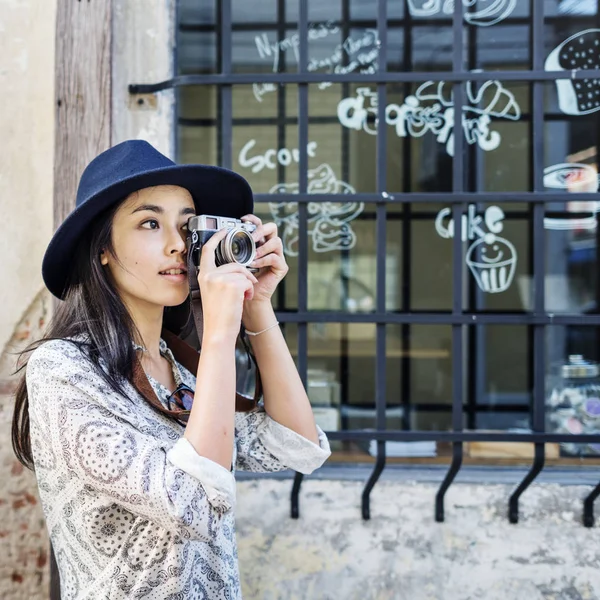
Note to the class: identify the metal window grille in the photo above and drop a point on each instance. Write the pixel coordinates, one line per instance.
(536, 321)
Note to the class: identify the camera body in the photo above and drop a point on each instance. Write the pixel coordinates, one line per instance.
(237, 246)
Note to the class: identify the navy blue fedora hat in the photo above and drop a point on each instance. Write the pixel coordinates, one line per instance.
(123, 169)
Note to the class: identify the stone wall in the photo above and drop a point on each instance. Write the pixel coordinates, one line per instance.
(330, 553)
(24, 568)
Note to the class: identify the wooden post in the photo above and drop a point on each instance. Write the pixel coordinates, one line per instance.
(83, 112)
(83, 93)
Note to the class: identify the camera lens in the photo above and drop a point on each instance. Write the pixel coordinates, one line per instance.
(238, 246)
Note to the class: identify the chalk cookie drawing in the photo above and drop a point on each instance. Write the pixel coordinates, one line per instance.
(579, 52)
(574, 177)
(489, 12)
(328, 222)
(492, 260)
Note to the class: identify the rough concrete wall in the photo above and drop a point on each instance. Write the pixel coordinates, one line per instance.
(26, 159)
(403, 554)
(143, 50)
(24, 568)
(26, 184)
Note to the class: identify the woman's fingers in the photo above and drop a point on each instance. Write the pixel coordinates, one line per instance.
(264, 231)
(271, 260)
(273, 245)
(236, 268)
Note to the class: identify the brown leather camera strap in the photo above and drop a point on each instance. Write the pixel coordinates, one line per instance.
(195, 298)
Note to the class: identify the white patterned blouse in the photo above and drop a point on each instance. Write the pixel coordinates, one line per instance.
(132, 510)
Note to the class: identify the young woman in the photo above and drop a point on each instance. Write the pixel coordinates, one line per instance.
(136, 480)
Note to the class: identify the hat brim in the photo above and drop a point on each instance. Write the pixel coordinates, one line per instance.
(215, 190)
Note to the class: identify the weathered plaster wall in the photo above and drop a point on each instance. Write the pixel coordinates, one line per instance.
(143, 49)
(403, 554)
(26, 184)
(26, 157)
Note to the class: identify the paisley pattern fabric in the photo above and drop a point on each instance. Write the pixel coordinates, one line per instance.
(132, 510)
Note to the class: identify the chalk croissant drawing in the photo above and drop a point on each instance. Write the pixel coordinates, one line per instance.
(575, 177)
(579, 52)
(328, 222)
(431, 109)
(489, 12)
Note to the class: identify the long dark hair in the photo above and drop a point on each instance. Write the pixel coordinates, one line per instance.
(93, 310)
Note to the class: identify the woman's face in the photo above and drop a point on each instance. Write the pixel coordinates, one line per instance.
(148, 237)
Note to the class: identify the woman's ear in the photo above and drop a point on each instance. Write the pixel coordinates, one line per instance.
(103, 258)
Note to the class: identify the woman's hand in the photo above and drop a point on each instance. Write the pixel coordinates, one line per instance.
(223, 290)
(269, 259)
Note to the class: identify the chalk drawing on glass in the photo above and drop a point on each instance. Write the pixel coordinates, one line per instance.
(357, 53)
(576, 178)
(579, 52)
(489, 12)
(328, 222)
(491, 259)
(431, 109)
(271, 157)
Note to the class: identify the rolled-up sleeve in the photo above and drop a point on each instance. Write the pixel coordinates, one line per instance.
(147, 475)
(264, 445)
(218, 482)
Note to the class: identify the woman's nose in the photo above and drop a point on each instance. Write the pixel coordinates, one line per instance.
(177, 242)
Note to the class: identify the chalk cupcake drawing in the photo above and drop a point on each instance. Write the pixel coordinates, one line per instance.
(574, 177)
(492, 260)
(488, 12)
(328, 222)
(579, 52)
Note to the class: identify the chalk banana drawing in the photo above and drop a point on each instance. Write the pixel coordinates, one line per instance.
(328, 222)
(579, 52)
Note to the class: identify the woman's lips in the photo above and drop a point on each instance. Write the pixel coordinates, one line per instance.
(174, 275)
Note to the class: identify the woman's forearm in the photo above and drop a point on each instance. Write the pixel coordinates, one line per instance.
(285, 398)
(210, 428)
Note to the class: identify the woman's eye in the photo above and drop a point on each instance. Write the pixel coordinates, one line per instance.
(150, 224)
(184, 227)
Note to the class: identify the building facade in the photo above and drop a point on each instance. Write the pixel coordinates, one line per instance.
(432, 168)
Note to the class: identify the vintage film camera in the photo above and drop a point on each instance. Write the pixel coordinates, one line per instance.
(237, 246)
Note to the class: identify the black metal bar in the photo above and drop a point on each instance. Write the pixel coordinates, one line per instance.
(381, 223)
(439, 318)
(539, 263)
(226, 107)
(333, 120)
(392, 23)
(588, 507)
(457, 263)
(407, 226)
(295, 496)
(302, 220)
(395, 197)
(54, 576)
(588, 502)
(363, 78)
(398, 435)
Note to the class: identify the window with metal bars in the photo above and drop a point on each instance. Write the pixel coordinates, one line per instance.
(432, 167)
